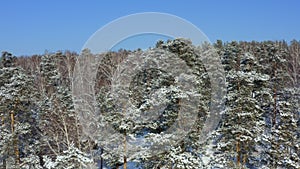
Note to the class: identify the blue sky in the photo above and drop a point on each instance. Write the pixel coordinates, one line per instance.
(33, 26)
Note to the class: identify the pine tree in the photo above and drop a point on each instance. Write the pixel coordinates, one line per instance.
(242, 120)
(18, 117)
(68, 159)
(277, 110)
(59, 123)
(148, 83)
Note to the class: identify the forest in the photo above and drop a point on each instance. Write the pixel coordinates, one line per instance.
(259, 124)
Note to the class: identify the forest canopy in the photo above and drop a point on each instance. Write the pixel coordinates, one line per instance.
(259, 125)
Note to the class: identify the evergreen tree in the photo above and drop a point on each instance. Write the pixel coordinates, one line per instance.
(143, 86)
(137, 109)
(59, 123)
(242, 120)
(68, 159)
(280, 123)
(19, 114)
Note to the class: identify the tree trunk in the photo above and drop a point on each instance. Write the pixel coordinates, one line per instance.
(238, 146)
(101, 159)
(15, 141)
(3, 160)
(238, 158)
(274, 97)
(125, 159)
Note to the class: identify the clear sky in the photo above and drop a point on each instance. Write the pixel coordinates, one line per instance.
(33, 26)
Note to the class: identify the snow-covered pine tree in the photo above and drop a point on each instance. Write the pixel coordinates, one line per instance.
(185, 153)
(242, 120)
(19, 141)
(227, 148)
(287, 130)
(71, 158)
(59, 123)
(280, 138)
(295, 104)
